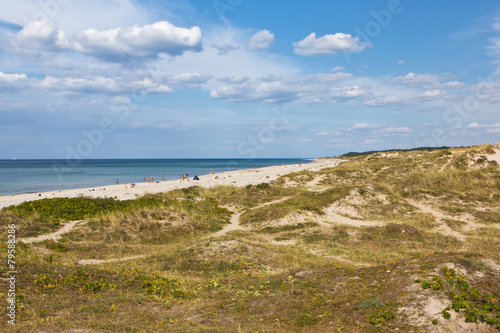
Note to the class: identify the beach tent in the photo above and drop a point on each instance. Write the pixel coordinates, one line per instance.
(196, 178)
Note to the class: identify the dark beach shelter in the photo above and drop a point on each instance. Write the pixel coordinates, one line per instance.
(196, 178)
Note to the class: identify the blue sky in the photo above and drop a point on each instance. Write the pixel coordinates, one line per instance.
(245, 79)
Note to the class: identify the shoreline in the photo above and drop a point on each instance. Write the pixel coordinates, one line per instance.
(123, 192)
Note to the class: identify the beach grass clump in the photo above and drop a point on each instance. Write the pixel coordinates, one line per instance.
(477, 305)
(290, 227)
(161, 224)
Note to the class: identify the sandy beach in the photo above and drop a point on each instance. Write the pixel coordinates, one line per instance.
(124, 192)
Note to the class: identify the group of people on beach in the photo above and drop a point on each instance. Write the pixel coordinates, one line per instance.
(185, 177)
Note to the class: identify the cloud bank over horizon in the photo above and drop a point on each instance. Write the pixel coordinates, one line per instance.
(184, 74)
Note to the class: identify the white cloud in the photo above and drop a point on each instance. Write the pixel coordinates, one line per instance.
(346, 92)
(487, 91)
(151, 86)
(400, 62)
(329, 44)
(413, 79)
(41, 35)
(430, 95)
(325, 93)
(261, 40)
(392, 101)
(264, 92)
(190, 78)
(222, 47)
(396, 130)
(473, 125)
(494, 128)
(139, 41)
(329, 77)
(445, 85)
(96, 84)
(13, 82)
(337, 69)
(362, 126)
(12, 78)
(83, 85)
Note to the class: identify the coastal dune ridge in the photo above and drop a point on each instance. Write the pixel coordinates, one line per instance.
(126, 192)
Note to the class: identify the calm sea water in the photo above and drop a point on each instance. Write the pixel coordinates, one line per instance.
(31, 176)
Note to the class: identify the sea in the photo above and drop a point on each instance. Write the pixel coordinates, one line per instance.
(33, 176)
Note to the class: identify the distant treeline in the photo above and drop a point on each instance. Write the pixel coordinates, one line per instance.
(353, 154)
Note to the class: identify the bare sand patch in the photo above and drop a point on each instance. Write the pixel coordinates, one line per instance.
(67, 227)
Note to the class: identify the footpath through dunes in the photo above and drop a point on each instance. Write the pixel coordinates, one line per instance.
(386, 241)
(124, 192)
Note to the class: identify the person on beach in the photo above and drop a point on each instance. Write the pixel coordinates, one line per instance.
(143, 179)
(117, 182)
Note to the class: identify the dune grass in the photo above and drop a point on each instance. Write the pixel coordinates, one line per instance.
(299, 275)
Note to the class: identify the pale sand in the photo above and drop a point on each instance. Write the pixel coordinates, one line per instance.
(122, 192)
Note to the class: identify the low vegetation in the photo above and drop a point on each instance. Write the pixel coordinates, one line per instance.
(375, 244)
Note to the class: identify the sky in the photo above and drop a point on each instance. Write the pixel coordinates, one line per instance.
(245, 78)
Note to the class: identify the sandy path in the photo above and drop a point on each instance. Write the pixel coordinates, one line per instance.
(232, 226)
(235, 219)
(53, 236)
(103, 261)
(121, 192)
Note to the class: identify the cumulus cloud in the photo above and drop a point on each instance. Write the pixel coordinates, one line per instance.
(392, 101)
(41, 35)
(139, 41)
(13, 82)
(329, 44)
(261, 40)
(430, 95)
(150, 86)
(222, 47)
(190, 78)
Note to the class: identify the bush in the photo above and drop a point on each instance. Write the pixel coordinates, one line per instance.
(263, 186)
